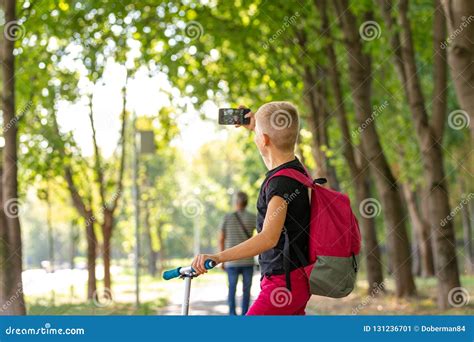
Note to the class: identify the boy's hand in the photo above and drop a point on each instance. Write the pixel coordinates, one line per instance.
(251, 125)
(200, 259)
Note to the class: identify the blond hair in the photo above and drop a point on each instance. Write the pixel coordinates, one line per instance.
(280, 121)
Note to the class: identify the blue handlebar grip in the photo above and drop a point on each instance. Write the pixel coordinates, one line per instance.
(170, 274)
(209, 264)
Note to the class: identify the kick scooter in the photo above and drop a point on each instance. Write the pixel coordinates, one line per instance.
(186, 273)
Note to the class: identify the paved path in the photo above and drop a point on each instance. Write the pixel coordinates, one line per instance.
(208, 296)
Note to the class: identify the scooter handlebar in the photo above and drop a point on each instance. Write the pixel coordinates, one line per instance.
(170, 274)
(176, 272)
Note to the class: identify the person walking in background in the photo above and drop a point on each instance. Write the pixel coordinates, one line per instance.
(237, 227)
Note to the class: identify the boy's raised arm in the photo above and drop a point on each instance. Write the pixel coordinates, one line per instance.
(266, 239)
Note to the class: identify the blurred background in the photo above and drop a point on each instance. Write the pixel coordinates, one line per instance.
(114, 167)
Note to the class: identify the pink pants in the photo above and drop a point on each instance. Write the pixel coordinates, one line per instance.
(276, 299)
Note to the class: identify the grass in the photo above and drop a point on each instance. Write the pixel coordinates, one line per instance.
(90, 308)
(70, 300)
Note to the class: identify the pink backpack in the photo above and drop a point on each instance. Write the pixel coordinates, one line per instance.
(334, 239)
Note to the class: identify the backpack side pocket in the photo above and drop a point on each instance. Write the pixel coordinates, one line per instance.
(333, 276)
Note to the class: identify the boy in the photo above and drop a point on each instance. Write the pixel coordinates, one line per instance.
(282, 221)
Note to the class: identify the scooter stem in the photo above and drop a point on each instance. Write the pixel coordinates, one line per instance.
(187, 293)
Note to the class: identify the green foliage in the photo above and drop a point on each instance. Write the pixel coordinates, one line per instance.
(229, 53)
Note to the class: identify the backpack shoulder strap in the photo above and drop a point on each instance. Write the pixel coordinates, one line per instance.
(294, 174)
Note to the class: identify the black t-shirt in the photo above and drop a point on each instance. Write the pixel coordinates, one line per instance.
(297, 218)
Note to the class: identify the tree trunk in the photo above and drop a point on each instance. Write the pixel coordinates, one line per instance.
(369, 234)
(467, 232)
(107, 235)
(73, 239)
(425, 215)
(162, 250)
(323, 129)
(445, 242)
(314, 96)
(91, 256)
(424, 207)
(467, 229)
(318, 124)
(49, 221)
(3, 226)
(151, 252)
(358, 166)
(84, 210)
(7, 281)
(430, 137)
(415, 253)
(109, 207)
(91, 238)
(460, 17)
(360, 81)
(14, 266)
(421, 230)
